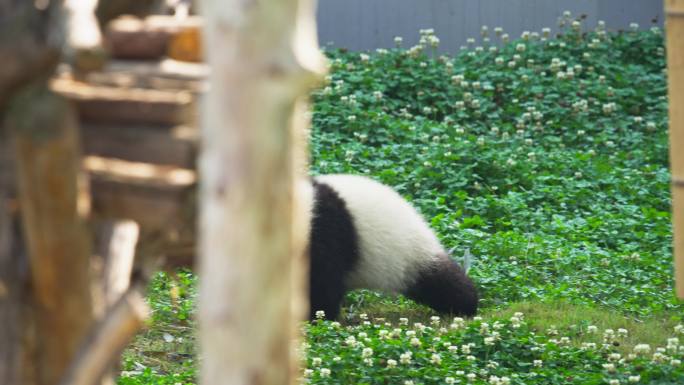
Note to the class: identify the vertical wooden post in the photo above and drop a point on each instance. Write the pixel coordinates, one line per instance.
(264, 59)
(674, 11)
(53, 201)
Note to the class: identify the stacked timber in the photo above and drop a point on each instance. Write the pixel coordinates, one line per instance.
(139, 142)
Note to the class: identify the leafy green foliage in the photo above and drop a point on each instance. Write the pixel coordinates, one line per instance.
(547, 158)
(499, 351)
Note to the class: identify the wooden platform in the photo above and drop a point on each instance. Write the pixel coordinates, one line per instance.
(139, 140)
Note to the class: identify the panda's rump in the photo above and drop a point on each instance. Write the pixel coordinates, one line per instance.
(394, 240)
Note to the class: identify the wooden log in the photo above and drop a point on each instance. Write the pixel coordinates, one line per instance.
(112, 334)
(674, 11)
(154, 196)
(176, 146)
(265, 58)
(127, 106)
(149, 38)
(130, 38)
(53, 202)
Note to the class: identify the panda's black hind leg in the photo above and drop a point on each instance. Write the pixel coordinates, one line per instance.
(445, 287)
(334, 251)
(326, 295)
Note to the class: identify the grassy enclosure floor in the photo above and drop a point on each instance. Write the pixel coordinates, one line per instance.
(546, 157)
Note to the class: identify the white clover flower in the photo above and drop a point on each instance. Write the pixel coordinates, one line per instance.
(415, 342)
(537, 363)
(567, 14)
(614, 382)
(505, 38)
(434, 41)
(470, 41)
(403, 321)
(408, 382)
(622, 332)
(325, 372)
(434, 320)
(457, 79)
(546, 32)
(499, 61)
(308, 372)
(471, 377)
(450, 380)
(650, 126)
(610, 368)
(316, 361)
(636, 378)
(476, 85)
(436, 359)
(675, 362)
(578, 175)
(511, 64)
(320, 314)
(453, 348)
(484, 30)
(634, 26)
(470, 358)
(659, 357)
(576, 25)
(679, 329)
(481, 141)
(614, 357)
(391, 363)
(405, 358)
(377, 95)
(489, 341)
(465, 349)
(642, 349)
(364, 57)
(367, 352)
(520, 47)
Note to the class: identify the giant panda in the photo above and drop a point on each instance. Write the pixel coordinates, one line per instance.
(364, 235)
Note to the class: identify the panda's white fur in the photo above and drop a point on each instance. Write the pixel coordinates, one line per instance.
(363, 234)
(394, 240)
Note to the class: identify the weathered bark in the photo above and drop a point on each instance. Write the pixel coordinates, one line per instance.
(674, 10)
(53, 201)
(12, 293)
(264, 58)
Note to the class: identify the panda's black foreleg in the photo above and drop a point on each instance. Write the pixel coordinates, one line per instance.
(445, 287)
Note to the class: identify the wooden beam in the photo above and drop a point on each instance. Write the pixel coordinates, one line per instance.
(174, 146)
(98, 104)
(154, 196)
(674, 12)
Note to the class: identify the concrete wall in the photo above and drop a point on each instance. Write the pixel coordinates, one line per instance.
(370, 24)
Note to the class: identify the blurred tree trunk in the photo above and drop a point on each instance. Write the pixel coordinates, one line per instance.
(264, 58)
(674, 11)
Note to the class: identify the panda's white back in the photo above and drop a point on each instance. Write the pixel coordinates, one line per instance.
(394, 240)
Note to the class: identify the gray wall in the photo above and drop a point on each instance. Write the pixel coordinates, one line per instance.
(370, 24)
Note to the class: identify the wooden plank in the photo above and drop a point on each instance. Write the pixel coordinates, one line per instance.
(175, 146)
(155, 196)
(674, 11)
(98, 104)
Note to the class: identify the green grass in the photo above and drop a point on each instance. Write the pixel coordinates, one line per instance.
(547, 158)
